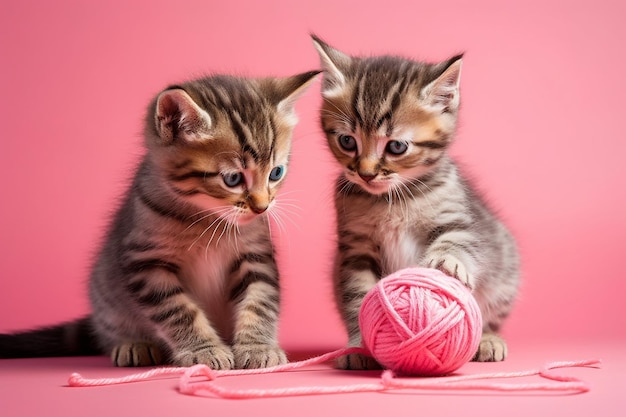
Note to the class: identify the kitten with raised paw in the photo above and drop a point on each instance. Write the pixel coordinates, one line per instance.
(400, 199)
(187, 274)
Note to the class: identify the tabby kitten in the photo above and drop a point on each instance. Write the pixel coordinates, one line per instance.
(187, 272)
(400, 199)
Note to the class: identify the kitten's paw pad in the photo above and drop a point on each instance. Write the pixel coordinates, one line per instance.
(249, 356)
(492, 348)
(452, 266)
(357, 362)
(218, 357)
(136, 354)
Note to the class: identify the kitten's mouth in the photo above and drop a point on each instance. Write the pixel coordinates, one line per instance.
(375, 186)
(245, 218)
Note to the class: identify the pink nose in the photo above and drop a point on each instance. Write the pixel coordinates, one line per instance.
(367, 177)
(258, 210)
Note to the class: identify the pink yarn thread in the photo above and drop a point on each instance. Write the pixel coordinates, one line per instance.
(416, 321)
(419, 321)
(200, 380)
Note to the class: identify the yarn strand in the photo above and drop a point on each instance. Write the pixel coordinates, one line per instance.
(477, 382)
(200, 380)
(77, 380)
(186, 373)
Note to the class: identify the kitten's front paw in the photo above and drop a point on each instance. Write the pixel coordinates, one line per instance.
(136, 354)
(452, 266)
(357, 362)
(258, 356)
(492, 348)
(218, 357)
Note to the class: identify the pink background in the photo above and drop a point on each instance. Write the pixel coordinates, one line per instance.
(542, 133)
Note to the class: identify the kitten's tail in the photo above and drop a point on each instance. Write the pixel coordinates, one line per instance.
(68, 339)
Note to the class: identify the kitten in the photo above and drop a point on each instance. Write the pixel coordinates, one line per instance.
(400, 199)
(187, 273)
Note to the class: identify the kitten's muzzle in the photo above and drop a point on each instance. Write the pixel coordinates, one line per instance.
(367, 177)
(258, 204)
(258, 209)
(368, 167)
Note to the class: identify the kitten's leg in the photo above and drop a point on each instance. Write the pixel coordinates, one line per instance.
(256, 301)
(355, 275)
(452, 251)
(136, 354)
(175, 318)
(492, 348)
(121, 338)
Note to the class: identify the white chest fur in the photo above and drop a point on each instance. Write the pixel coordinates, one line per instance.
(400, 248)
(206, 277)
(399, 241)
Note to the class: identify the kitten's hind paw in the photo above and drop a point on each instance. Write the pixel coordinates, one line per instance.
(249, 356)
(136, 354)
(218, 357)
(492, 348)
(357, 362)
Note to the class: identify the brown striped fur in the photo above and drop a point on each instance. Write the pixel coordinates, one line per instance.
(187, 272)
(400, 199)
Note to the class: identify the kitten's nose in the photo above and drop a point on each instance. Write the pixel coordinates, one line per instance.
(257, 209)
(258, 202)
(367, 177)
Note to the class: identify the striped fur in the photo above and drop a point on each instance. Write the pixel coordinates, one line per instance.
(187, 272)
(400, 199)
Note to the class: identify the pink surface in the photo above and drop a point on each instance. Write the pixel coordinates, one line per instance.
(541, 132)
(36, 387)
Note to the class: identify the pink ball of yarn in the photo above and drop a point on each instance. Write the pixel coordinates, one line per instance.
(419, 321)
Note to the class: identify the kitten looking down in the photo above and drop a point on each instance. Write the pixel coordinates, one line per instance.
(186, 273)
(400, 199)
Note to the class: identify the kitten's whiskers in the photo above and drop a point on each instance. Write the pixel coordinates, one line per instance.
(276, 220)
(346, 185)
(232, 227)
(389, 199)
(211, 212)
(341, 114)
(284, 207)
(220, 221)
(236, 235)
(226, 227)
(218, 214)
(402, 202)
(418, 184)
(346, 188)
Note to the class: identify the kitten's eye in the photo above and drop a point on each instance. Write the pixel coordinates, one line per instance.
(347, 142)
(277, 173)
(395, 147)
(233, 179)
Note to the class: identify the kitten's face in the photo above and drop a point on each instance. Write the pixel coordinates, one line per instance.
(223, 143)
(388, 120)
(220, 176)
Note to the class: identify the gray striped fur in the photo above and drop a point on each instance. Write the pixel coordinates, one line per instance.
(187, 272)
(413, 208)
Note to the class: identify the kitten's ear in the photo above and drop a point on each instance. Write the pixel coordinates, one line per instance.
(334, 63)
(443, 92)
(290, 89)
(177, 116)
